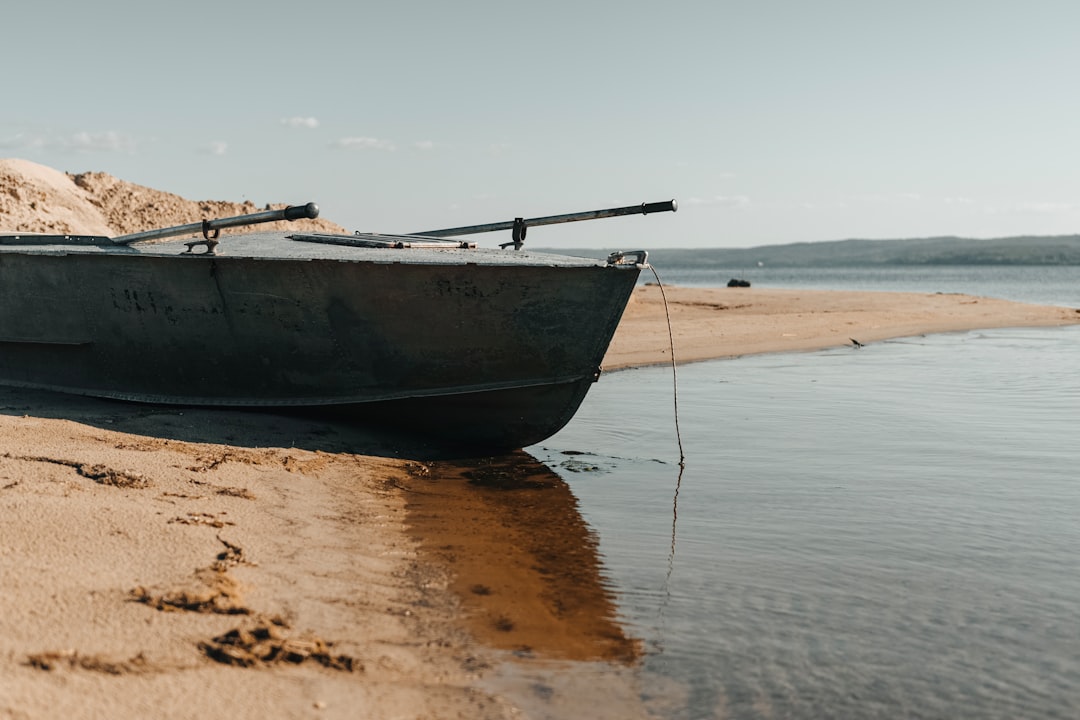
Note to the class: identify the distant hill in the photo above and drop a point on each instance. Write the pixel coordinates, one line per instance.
(1020, 250)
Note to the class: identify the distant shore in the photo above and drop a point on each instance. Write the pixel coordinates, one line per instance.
(164, 562)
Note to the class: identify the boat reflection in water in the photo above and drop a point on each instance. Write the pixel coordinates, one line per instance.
(520, 556)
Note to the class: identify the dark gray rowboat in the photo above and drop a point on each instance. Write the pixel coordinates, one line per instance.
(492, 349)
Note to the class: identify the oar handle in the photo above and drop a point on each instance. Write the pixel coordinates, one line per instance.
(665, 206)
(293, 212)
(642, 209)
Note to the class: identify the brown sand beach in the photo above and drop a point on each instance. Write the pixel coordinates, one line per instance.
(194, 564)
(727, 322)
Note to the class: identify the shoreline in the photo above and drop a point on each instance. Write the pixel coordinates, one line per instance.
(164, 561)
(716, 323)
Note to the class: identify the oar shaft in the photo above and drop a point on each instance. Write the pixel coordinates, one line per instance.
(293, 212)
(642, 209)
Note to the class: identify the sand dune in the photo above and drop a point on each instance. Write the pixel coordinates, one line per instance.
(35, 198)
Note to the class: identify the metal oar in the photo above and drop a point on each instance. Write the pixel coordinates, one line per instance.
(519, 225)
(206, 227)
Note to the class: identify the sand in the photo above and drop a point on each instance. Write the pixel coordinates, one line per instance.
(145, 575)
(36, 198)
(710, 323)
(196, 564)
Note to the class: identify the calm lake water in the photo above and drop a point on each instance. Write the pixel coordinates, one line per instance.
(892, 531)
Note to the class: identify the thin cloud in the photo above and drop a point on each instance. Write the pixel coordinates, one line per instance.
(80, 142)
(301, 122)
(23, 142)
(1031, 208)
(364, 143)
(216, 148)
(424, 145)
(110, 141)
(817, 205)
(727, 201)
(1041, 208)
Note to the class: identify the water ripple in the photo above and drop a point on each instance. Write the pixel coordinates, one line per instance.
(889, 533)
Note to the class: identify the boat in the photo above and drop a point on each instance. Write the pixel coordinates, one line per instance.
(492, 349)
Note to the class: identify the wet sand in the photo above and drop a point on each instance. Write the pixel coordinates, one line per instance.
(224, 564)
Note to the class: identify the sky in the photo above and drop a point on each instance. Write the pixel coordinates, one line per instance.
(769, 122)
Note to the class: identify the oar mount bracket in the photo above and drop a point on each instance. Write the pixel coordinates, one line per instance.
(517, 233)
(210, 240)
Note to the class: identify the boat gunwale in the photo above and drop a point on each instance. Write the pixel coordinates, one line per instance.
(276, 246)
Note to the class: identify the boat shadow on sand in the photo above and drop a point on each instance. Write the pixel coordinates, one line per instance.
(506, 529)
(226, 426)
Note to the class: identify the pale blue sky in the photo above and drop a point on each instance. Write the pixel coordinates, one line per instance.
(769, 121)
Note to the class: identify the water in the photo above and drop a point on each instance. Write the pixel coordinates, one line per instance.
(1050, 285)
(883, 532)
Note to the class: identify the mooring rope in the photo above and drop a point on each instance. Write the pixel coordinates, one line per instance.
(678, 438)
(674, 371)
(671, 553)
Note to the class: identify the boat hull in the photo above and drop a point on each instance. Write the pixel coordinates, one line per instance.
(488, 354)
